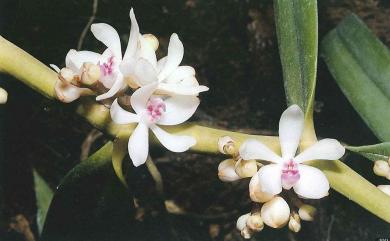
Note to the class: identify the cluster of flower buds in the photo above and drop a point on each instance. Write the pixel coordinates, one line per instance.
(382, 168)
(270, 173)
(270, 210)
(274, 213)
(235, 167)
(73, 83)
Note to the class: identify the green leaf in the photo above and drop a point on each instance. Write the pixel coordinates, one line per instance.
(373, 152)
(44, 195)
(91, 204)
(360, 63)
(297, 30)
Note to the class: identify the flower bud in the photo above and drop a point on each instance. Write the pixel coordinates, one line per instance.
(246, 233)
(275, 213)
(67, 92)
(90, 73)
(307, 212)
(255, 192)
(295, 223)
(241, 221)
(381, 168)
(227, 172)
(151, 40)
(226, 145)
(246, 168)
(3, 96)
(254, 222)
(66, 75)
(385, 189)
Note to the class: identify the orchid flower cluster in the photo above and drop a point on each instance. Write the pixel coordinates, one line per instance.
(271, 173)
(140, 89)
(159, 92)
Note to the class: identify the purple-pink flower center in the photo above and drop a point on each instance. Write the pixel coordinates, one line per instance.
(290, 174)
(107, 68)
(155, 108)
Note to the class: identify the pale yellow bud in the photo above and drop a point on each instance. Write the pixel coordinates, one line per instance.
(381, 168)
(151, 40)
(3, 96)
(385, 189)
(227, 172)
(246, 233)
(226, 145)
(246, 168)
(66, 75)
(255, 192)
(295, 223)
(307, 212)
(255, 222)
(90, 73)
(241, 221)
(275, 213)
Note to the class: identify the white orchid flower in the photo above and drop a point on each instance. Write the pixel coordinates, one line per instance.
(110, 60)
(151, 111)
(172, 79)
(289, 171)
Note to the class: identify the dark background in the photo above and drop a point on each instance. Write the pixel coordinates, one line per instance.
(232, 45)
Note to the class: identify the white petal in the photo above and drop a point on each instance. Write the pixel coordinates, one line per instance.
(55, 67)
(179, 74)
(178, 109)
(140, 97)
(326, 149)
(270, 179)
(121, 116)
(118, 85)
(75, 59)
(290, 131)
(133, 39)
(147, 52)
(139, 145)
(161, 63)
(253, 149)
(255, 192)
(127, 67)
(108, 36)
(174, 57)
(144, 72)
(179, 89)
(174, 143)
(312, 183)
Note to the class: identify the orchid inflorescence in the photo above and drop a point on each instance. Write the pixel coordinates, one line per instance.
(271, 173)
(140, 89)
(161, 92)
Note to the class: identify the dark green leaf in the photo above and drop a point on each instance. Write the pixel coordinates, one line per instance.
(91, 204)
(373, 152)
(44, 195)
(360, 63)
(297, 30)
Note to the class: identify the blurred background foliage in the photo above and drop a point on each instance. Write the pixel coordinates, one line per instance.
(232, 45)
